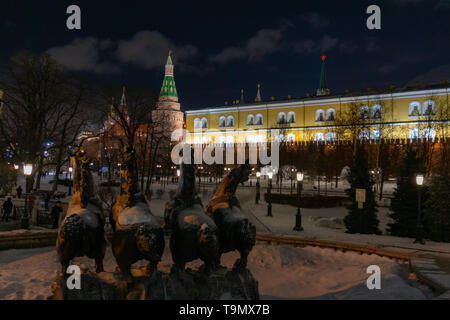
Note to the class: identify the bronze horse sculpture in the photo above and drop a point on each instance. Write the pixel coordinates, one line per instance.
(194, 234)
(81, 232)
(236, 232)
(137, 233)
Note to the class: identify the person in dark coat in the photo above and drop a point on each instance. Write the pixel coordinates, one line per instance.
(56, 211)
(46, 201)
(7, 208)
(19, 192)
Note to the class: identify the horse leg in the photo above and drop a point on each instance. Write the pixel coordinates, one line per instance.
(99, 264)
(152, 266)
(64, 266)
(241, 263)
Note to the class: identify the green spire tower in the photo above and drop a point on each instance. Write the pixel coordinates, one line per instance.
(168, 89)
(323, 85)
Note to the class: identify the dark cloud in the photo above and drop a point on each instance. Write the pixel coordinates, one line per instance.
(149, 49)
(263, 43)
(83, 54)
(314, 20)
(371, 45)
(310, 46)
(435, 75)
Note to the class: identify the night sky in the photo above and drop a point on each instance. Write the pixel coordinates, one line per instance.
(220, 47)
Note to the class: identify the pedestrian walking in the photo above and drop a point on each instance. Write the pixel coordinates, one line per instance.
(46, 201)
(56, 212)
(7, 208)
(19, 192)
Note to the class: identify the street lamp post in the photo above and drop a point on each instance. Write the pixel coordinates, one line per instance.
(419, 226)
(258, 194)
(269, 195)
(70, 184)
(298, 217)
(27, 170)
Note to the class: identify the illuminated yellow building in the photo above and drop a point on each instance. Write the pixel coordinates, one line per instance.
(404, 113)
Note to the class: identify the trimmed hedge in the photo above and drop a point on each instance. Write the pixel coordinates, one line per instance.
(308, 201)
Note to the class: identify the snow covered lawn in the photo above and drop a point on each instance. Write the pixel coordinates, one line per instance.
(283, 272)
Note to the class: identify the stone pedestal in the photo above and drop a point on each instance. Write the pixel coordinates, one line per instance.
(189, 285)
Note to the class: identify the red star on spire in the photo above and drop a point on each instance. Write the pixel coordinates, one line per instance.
(323, 57)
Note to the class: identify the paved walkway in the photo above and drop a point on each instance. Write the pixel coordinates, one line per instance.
(430, 262)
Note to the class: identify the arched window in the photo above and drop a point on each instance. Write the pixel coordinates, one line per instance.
(330, 136)
(250, 120)
(230, 139)
(375, 134)
(376, 112)
(291, 117)
(414, 133)
(320, 115)
(364, 135)
(414, 109)
(280, 137)
(364, 112)
(291, 137)
(222, 122)
(204, 140)
(281, 118)
(318, 136)
(197, 140)
(204, 123)
(429, 133)
(230, 122)
(429, 108)
(197, 123)
(259, 119)
(331, 114)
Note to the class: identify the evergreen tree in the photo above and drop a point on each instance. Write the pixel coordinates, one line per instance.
(437, 209)
(361, 220)
(404, 203)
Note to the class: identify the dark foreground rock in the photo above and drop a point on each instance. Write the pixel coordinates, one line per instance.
(188, 285)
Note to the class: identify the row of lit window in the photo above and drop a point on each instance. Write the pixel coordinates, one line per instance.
(365, 113)
(414, 133)
(415, 108)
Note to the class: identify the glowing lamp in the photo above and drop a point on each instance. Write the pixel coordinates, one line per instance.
(178, 173)
(299, 176)
(16, 166)
(419, 179)
(270, 174)
(258, 174)
(70, 169)
(27, 169)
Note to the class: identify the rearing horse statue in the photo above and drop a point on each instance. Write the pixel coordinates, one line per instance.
(81, 233)
(137, 233)
(236, 232)
(194, 234)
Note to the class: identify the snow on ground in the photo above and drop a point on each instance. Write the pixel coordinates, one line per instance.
(327, 224)
(283, 272)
